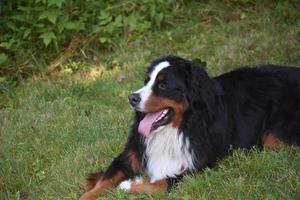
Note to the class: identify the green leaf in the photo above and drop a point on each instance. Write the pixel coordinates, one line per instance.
(61, 24)
(3, 58)
(118, 21)
(39, 26)
(105, 21)
(159, 18)
(152, 10)
(11, 26)
(19, 18)
(51, 15)
(43, 1)
(104, 18)
(132, 21)
(73, 25)
(144, 26)
(48, 38)
(104, 15)
(25, 9)
(58, 3)
(104, 40)
(26, 33)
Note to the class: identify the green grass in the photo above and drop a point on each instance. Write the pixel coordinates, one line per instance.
(56, 129)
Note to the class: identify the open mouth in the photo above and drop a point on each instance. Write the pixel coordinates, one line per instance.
(152, 121)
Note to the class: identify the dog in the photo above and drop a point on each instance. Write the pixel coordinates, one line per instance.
(185, 121)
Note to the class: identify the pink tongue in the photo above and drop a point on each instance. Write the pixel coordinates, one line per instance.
(146, 124)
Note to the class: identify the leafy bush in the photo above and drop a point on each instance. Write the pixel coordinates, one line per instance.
(31, 28)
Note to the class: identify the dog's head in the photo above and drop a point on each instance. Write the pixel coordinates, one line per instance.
(172, 86)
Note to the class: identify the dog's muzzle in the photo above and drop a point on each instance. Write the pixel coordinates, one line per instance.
(134, 99)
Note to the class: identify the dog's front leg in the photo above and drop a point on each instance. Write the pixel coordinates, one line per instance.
(103, 184)
(124, 167)
(162, 185)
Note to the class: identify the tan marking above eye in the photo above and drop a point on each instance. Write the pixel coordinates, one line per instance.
(160, 77)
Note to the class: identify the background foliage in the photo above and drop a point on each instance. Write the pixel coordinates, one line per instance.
(38, 30)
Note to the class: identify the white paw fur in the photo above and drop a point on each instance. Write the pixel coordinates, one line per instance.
(126, 185)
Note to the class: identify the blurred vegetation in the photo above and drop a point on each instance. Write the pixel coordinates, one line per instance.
(39, 33)
(52, 35)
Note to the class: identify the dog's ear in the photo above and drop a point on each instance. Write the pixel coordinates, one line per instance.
(203, 90)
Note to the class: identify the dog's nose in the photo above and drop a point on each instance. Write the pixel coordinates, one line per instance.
(134, 99)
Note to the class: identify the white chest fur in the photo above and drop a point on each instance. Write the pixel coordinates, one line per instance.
(167, 153)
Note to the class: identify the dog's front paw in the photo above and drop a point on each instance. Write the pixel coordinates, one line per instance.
(125, 185)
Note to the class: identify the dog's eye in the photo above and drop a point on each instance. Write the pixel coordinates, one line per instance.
(162, 86)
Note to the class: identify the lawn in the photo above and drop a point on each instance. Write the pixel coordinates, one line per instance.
(56, 128)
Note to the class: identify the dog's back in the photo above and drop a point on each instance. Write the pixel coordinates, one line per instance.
(268, 97)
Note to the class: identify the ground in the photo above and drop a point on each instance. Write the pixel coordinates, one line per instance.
(55, 129)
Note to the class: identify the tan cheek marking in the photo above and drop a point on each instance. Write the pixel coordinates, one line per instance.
(102, 185)
(158, 186)
(270, 141)
(135, 163)
(155, 103)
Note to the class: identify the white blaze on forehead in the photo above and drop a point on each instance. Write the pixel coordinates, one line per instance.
(146, 91)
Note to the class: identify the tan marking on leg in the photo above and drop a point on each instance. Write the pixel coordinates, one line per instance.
(158, 186)
(91, 181)
(102, 185)
(135, 163)
(270, 141)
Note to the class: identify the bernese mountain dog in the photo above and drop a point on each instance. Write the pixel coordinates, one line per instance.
(185, 121)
